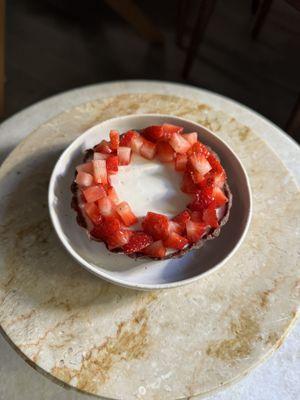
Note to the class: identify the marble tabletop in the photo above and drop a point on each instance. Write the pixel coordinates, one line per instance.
(278, 377)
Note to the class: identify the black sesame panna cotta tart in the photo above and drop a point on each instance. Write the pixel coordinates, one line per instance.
(154, 235)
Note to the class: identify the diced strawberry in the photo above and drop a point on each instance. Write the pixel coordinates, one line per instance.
(100, 156)
(220, 179)
(96, 233)
(183, 217)
(119, 239)
(200, 163)
(170, 129)
(114, 139)
(208, 181)
(176, 227)
(196, 176)
(210, 217)
(155, 249)
(124, 154)
(148, 149)
(125, 139)
(179, 144)
(112, 194)
(94, 193)
(175, 241)
(195, 231)
(196, 216)
(188, 185)
(136, 144)
(124, 211)
(164, 152)
(137, 242)
(180, 162)
(154, 132)
(103, 147)
(219, 197)
(112, 165)
(100, 173)
(84, 179)
(93, 213)
(190, 137)
(86, 167)
(215, 165)
(202, 199)
(199, 148)
(106, 206)
(157, 225)
(112, 232)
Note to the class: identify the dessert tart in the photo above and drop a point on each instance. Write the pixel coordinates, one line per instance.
(108, 219)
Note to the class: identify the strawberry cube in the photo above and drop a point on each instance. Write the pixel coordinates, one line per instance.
(199, 148)
(112, 194)
(179, 144)
(126, 138)
(219, 197)
(148, 149)
(155, 249)
(136, 143)
(124, 154)
(112, 165)
(84, 179)
(86, 167)
(188, 185)
(154, 132)
(93, 193)
(100, 173)
(164, 152)
(210, 217)
(157, 225)
(191, 137)
(127, 216)
(103, 147)
(114, 139)
(100, 156)
(175, 241)
(93, 213)
(195, 230)
(106, 206)
(180, 162)
(137, 242)
(200, 163)
(170, 129)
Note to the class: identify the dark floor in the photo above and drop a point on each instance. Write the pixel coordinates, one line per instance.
(56, 45)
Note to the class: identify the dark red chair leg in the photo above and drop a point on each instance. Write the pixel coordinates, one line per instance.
(261, 16)
(293, 124)
(205, 10)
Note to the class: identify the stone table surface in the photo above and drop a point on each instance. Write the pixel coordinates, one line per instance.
(278, 377)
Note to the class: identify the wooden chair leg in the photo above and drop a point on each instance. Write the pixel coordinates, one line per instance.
(261, 16)
(2, 55)
(132, 13)
(293, 124)
(205, 11)
(182, 17)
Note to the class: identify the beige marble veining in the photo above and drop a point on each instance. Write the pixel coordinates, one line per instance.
(124, 344)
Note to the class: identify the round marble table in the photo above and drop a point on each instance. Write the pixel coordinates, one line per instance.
(277, 378)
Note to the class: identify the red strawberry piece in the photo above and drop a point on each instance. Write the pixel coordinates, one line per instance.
(179, 144)
(124, 154)
(154, 132)
(100, 172)
(200, 163)
(199, 148)
(93, 193)
(119, 239)
(220, 179)
(103, 147)
(114, 139)
(113, 233)
(208, 181)
(219, 197)
(176, 227)
(112, 194)
(93, 213)
(196, 176)
(100, 156)
(164, 152)
(126, 138)
(84, 179)
(195, 230)
(124, 211)
(170, 129)
(136, 143)
(96, 233)
(183, 217)
(215, 164)
(210, 217)
(106, 206)
(188, 185)
(86, 167)
(157, 225)
(155, 249)
(202, 199)
(180, 162)
(137, 242)
(148, 149)
(112, 165)
(196, 216)
(175, 241)
(191, 137)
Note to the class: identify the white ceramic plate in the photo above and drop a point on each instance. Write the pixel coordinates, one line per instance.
(142, 191)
